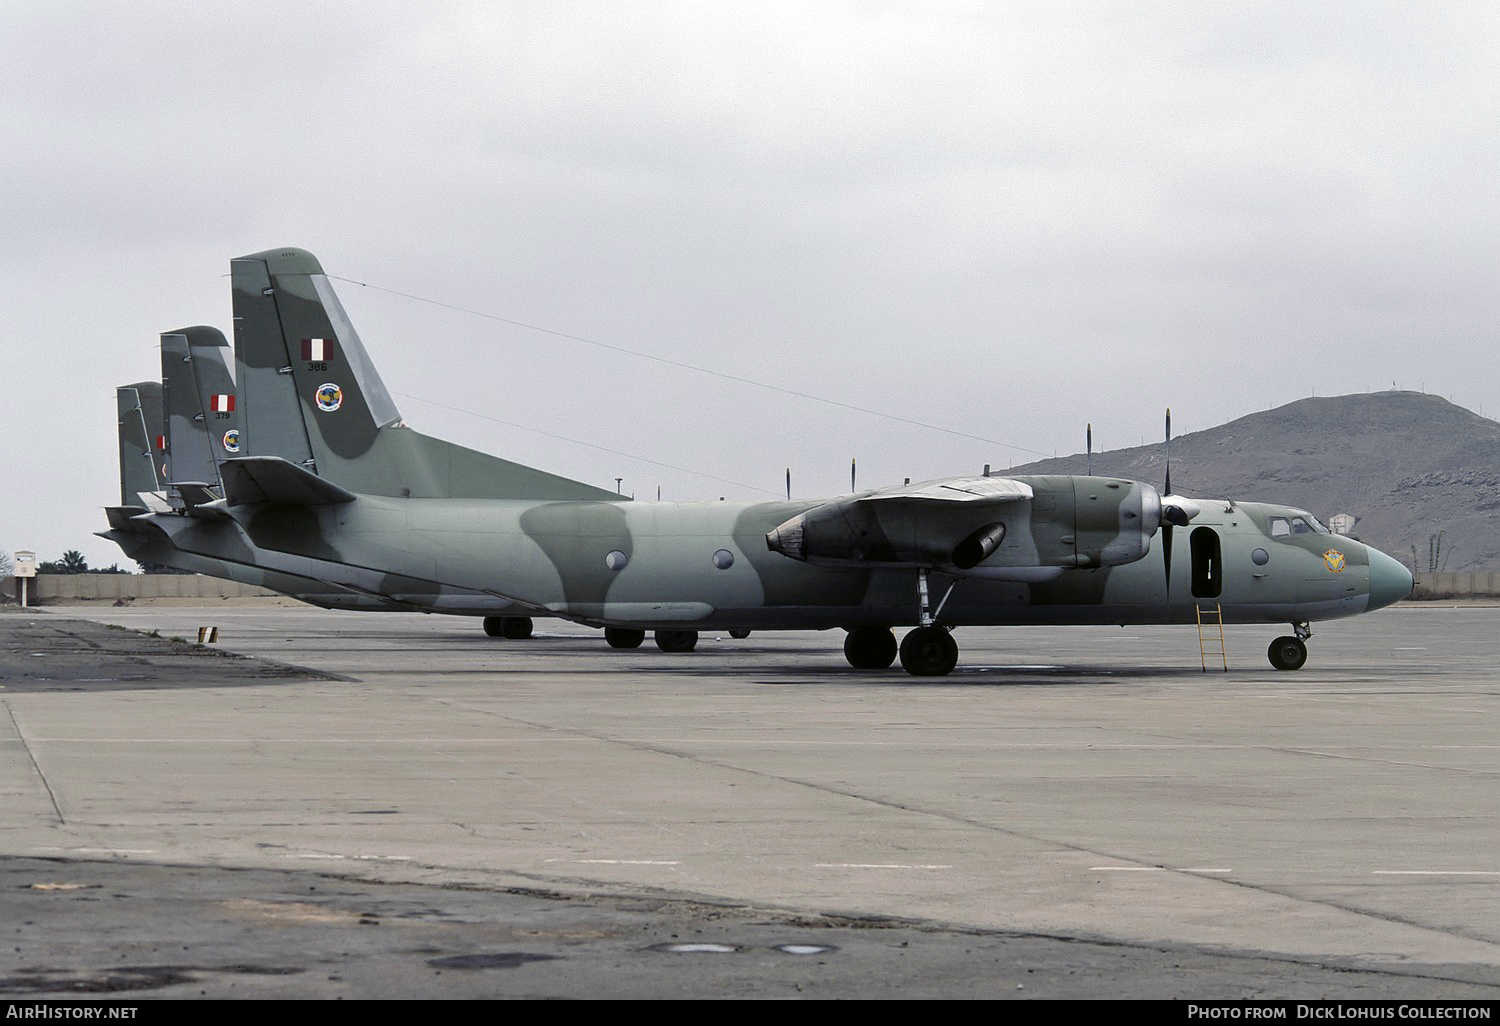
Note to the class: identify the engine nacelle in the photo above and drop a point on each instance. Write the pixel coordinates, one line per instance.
(1065, 522)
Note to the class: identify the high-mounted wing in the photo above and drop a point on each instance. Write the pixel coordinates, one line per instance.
(957, 524)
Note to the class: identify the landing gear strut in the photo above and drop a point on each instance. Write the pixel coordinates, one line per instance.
(516, 628)
(870, 648)
(1290, 652)
(929, 651)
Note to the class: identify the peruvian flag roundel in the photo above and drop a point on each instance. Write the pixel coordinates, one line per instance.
(223, 404)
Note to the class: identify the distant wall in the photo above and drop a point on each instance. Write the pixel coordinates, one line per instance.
(1444, 586)
(61, 589)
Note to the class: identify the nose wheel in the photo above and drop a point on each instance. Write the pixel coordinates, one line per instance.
(1290, 652)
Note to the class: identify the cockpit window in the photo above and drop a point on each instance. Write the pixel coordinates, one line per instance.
(1300, 523)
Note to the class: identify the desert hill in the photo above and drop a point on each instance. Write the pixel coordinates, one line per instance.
(1407, 464)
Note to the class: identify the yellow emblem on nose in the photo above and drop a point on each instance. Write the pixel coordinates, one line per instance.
(1333, 559)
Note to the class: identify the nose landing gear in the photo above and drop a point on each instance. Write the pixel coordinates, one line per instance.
(1290, 651)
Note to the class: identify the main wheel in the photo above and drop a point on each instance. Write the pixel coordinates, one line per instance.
(624, 637)
(1287, 653)
(740, 633)
(870, 648)
(676, 641)
(929, 652)
(494, 626)
(516, 628)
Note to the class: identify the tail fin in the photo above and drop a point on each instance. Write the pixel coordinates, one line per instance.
(291, 328)
(218, 397)
(188, 441)
(139, 407)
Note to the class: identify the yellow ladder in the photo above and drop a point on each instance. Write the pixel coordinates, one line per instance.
(1211, 617)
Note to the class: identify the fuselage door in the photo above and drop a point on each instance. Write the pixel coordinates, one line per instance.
(1208, 563)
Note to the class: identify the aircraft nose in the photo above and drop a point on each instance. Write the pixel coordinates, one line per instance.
(1389, 580)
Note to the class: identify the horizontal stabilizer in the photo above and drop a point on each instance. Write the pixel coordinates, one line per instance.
(249, 480)
(196, 493)
(120, 516)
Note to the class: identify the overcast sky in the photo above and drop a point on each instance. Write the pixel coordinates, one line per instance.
(1006, 220)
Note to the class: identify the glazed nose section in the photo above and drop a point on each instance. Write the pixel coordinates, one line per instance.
(1389, 580)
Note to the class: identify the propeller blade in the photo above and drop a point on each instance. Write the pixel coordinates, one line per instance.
(1166, 528)
(1166, 551)
(1091, 449)
(788, 484)
(1167, 490)
(851, 475)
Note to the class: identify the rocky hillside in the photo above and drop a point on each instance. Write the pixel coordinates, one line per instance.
(1410, 466)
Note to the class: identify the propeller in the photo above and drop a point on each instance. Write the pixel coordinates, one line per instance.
(1176, 510)
(1166, 523)
(851, 475)
(1090, 435)
(788, 484)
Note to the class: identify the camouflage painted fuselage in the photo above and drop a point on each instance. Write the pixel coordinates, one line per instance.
(566, 558)
(335, 490)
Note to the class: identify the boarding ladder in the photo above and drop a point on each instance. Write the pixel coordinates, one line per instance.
(1211, 634)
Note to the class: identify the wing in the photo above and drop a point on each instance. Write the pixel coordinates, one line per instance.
(954, 522)
(957, 524)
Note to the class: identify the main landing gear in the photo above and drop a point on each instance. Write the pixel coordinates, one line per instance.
(927, 651)
(676, 641)
(624, 637)
(516, 628)
(870, 648)
(1290, 652)
(667, 641)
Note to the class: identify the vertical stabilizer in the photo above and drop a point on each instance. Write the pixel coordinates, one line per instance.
(290, 326)
(272, 420)
(154, 413)
(137, 460)
(187, 436)
(218, 396)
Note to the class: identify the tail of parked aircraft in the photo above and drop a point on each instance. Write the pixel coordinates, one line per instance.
(140, 429)
(206, 396)
(312, 397)
(187, 434)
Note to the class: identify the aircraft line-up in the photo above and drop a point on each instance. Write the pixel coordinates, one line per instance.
(295, 471)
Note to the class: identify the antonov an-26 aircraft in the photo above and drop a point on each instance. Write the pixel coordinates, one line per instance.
(332, 490)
